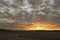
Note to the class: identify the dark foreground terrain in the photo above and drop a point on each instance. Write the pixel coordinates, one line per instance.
(29, 35)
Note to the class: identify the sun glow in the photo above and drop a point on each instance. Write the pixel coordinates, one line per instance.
(41, 26)
(35, 27)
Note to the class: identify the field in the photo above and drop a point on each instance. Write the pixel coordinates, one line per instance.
(29, 35)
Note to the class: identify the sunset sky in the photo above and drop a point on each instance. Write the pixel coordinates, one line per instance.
(30, 14)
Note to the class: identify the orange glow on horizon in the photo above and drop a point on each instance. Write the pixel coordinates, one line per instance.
(40, 26)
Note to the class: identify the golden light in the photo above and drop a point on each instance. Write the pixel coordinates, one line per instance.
(40, 26)
(35, 27)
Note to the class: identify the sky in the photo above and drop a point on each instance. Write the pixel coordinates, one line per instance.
(15, 13)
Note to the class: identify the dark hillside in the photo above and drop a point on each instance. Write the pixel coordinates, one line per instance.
(29, 35)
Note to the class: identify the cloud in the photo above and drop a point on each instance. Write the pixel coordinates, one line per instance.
(28, 10)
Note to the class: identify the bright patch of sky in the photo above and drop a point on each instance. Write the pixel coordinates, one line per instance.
(27, 6)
